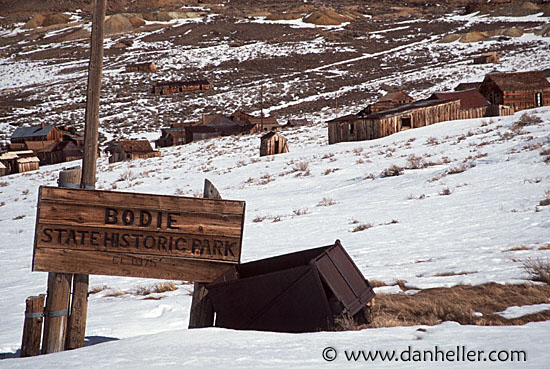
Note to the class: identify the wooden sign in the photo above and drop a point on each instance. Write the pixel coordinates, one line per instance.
(136, 235)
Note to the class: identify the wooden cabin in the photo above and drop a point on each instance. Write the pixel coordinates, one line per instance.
(263, 124)
(59, 152)
(27, 164)
(124, 150)
(389, 101)
(42, 132)
(367, 127)
(522, 90)
(273, 143)
(472, 104)
(486, 58)
(141, 67)
(19, 161)
(171, 137)
(166, 88)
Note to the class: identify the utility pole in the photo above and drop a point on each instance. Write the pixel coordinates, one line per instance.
(262, 108)
(79, 308)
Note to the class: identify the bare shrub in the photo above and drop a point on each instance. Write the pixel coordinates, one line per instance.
(362, 227)
(415, 162)
(97, 289)
(18, 217)
(265, 179)
(446, 191)
(392, 171)
(156, 288)
(546, 200)
(299, 212)
(3, 184)
(538, 270)
(527, 119)
(259, 219)
(326, 201)
(432, 141)
(358, 150)
(370, 176)
(517, 248)
(458, 169)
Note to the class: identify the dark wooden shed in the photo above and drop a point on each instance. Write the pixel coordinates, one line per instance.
(123, 150)
(303, 291)
(273, 143)
(359, 127)
(522, 90)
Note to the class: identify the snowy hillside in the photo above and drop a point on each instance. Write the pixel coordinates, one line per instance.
(465, 210)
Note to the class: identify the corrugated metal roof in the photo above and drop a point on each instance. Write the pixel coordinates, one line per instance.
(518, 81)
(33, 131)
(468, 99)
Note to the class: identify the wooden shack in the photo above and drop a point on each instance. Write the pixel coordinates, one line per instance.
(262, 123)
(367, 127)
(171, 137)
(124, 150)
(42, 132)
(27, 164)
(273, 143)
(389, 101)
(166, 88)
(59, 152)
(522, 90)
(141, 67)
(486, 58)
(472, 103)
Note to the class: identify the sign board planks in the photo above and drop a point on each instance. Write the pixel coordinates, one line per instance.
(136, 235)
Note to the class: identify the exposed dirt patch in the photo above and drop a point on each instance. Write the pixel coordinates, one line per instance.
(459, 303)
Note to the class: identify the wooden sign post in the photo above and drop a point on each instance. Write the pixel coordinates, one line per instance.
(136, 235)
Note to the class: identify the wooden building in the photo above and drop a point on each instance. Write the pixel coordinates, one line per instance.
(124, 150)
(522, 90)
(472, 103)
(263, 123)
(273, 143)
(166, 88)
(486, 58)
(42, 132)
(59, 152)
(19, 161)
(141, 67)
(171, 137)
(367, 127)
(389, 101)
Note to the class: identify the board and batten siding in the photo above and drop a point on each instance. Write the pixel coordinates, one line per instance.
(366, 128)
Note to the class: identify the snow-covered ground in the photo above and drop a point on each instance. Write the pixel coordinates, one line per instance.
(417, 233)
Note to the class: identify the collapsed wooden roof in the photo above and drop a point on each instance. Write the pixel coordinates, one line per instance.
(135, 146)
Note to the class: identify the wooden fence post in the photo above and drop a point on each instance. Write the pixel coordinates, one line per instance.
(59, 289)
(32, 329)
(57, 310)
(202, 310)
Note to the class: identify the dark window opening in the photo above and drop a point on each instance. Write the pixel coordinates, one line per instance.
(406, 123)
(276, 146)
(351, 128)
